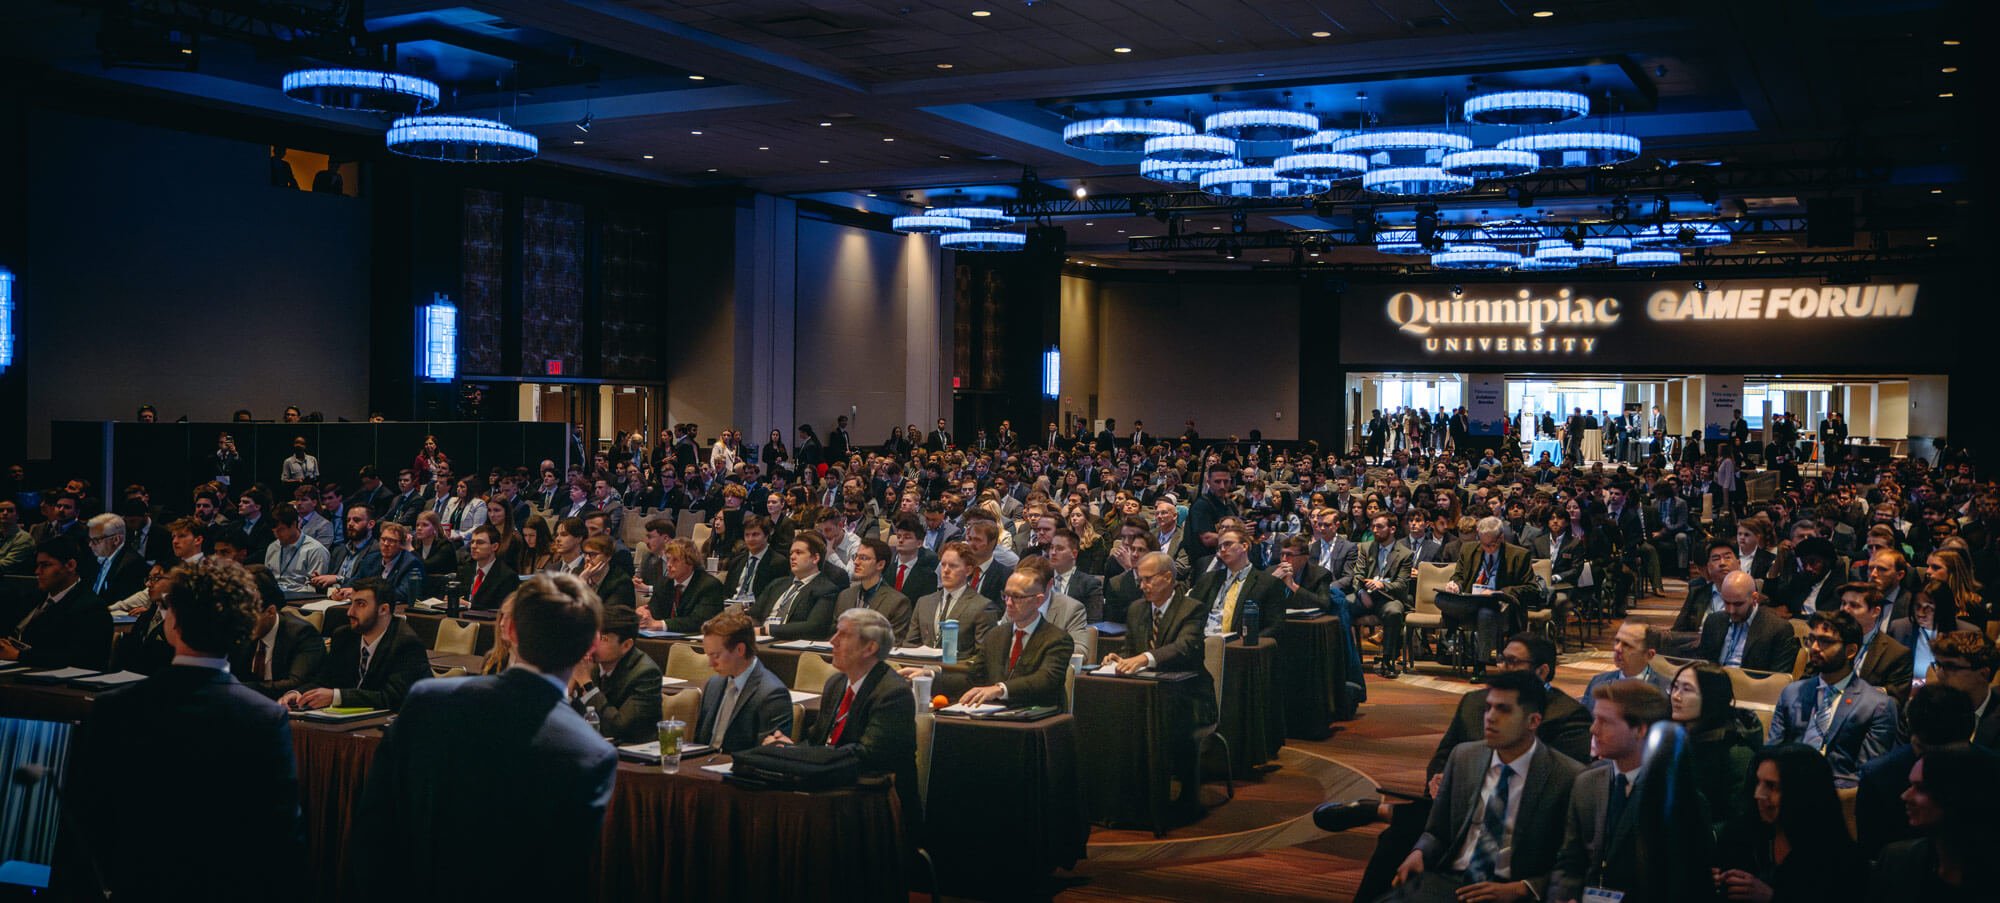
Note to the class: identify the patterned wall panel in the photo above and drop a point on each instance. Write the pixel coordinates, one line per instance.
(632, 264)
(961, 325)
(482, 265)
(552, 285)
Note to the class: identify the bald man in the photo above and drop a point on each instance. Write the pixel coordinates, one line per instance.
(1747, 634)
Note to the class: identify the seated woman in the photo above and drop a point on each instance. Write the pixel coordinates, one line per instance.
(1723, 737)
(1793, 845)
(1953, 794)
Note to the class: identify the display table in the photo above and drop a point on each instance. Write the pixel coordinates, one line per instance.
(1134, 736)
(1550, 447)
(1253, 716)
(1312, 675)
(1021, 780)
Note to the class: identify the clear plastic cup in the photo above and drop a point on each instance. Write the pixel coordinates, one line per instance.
(671, 732)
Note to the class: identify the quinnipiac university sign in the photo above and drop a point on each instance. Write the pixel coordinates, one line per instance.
(1733, 324)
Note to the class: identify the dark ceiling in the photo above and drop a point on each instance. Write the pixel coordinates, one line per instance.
(1748, 111)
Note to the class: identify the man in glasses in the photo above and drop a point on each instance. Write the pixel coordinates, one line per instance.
(1965, 660)
(1835, 711)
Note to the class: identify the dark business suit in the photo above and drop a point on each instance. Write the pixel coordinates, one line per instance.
(1338, 561)
(615, 588)
(771, 568)
(441, 558)
(405, 574)
(992, 579)
(1887, 666)
(143, 648)
(919, 579)
(1260, 587)
(974, 613)
(1565, 727)
(1699, 604)
(628, 699)
(1770, 644)
(124, 574)
(499, 583)
(1864, 724)
(398, 664)
(1595, 852)
(811, 614)
(1087, 589)
(296, 654)
(73, 633)
(1513, 581)
(1039, 676)
(893, 605)
(684, 611)
(1180, 645)
(1538, 823)
(1879, 816)
(256, 537)
(1790, 593)
(228, 775)
(763, 706)
(881, 725)
(1392, 602)
(501, 759)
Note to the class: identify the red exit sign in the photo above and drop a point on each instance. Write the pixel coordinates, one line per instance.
(555, 366)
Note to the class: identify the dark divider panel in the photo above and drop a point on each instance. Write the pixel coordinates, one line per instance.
(170, 458)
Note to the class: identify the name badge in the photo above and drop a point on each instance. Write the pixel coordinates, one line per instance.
(1601, 895)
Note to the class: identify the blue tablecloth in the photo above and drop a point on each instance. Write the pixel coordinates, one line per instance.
(1551, 446)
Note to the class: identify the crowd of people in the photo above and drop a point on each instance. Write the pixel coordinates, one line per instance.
(1027, 543)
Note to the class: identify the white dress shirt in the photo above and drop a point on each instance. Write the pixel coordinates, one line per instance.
(1503, 862)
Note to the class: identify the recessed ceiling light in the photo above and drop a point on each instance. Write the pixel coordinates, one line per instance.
(1763, 252)
(695, 132)
(1090, 224)
(697, 78)
(1930, 238)
(944, 156)
(1121, 232)
(981, 13)
(944, 65)
(1937, 191)
(871, 194)
(888, 139)
(649, 156)
(1121, 50)
(825, 124)
(1544, 13)
(1322, 34)
(1945, 94)
(763, 148)
(822, 161)
(576, 141)
(1215, 228)
(1951, 42)
(1948, 70)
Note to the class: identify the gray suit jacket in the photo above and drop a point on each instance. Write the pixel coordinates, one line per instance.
(1089, 590)
(1342, 561)
(763, 706)
(1067, 613)
(893, 605)
(1537, 822)
(1594, 853)
(974, 613)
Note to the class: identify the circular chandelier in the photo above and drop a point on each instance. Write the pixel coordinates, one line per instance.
(363, 90)
(1320, 166)
(1399, 242)
(983, 241)
(1560, 249)
(1540, 263)
(1180, 172)
(1120, 134)
(1474, 257)
(1650, 258)
(935, 223)
(1512, 231)
(975, 217)
(1570, 150)
(1405, 147)
(1190, 148)
(1526, 107)
(1689, 235)
(1490, 163)
(1258, 182)
(1321, 140)
(461, 139)
(1413, 180)
(1613, 243)
(1261, 125)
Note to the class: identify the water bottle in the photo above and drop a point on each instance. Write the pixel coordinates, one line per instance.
(948, 638)
(1248, 618)
(454, 593)
(590, 716)
(922, 687)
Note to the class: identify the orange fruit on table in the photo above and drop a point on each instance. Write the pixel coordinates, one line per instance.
(940, 701)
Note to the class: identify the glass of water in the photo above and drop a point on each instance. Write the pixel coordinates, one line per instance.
(671, 731)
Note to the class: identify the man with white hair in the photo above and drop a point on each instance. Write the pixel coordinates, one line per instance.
(1502, 578)
(118, 570)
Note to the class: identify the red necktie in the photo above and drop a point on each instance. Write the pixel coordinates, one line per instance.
(901, 570)
(477, 578)
(1015, 656)
(974, 585)
(840, 718)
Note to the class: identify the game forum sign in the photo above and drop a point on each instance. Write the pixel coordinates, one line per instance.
(1734, 324)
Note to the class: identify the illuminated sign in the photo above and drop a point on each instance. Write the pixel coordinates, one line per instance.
(1051, 373)
(6, 319)
(1517, 323)
(437, 340)
(1808, 302)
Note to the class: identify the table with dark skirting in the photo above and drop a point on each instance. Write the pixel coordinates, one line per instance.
(1253, 717)
(1134, 736)
(1012, 783)
(1312, 675)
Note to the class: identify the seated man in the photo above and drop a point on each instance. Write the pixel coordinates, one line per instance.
(876, 713)
(619, 682)
(391, 562)
(1601, 832)
(744, 702)
(1383, 586)
(370, 663)
(70, 627)
(1748, 635)
(869, 590)
(1235, 582)
(143, 648)
(283, 650)
(1489, 568)
(955, 600)
(1632, 651)
(800, 608)
(1882, 661)
(293, 557)
(1834, 710)
(686, 596)
(1704, 596)
(1026, 662)
(1497, 824)
(488, 580)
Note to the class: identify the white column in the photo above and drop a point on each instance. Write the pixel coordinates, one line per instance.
(766, 316)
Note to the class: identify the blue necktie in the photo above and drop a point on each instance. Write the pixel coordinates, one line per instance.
(1732, 651)
(1492, 832)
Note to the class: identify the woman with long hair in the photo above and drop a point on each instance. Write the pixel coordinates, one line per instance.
(1932, 615)
(1091, 549)
(1954, 569)
(501, 656)
(1723, 738)
(1950, 802)
(538, 546)
(501, 519)
(1792, 844)
(773, 455)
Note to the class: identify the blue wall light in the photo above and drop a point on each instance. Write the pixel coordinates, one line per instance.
(1051, 373)
(437, 340)
(6, 319)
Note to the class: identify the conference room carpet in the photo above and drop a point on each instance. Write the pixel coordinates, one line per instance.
(1262, 845)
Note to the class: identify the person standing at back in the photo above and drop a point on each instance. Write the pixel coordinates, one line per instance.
(218, 770)
(499, 758)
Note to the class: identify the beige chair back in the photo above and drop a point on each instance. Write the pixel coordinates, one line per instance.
(1431, 578)
(1757, 686)
(1848, 796)
(1211, 658)
(702, 533)
(684, 528)
(1707, 508)
(1668, 667)
(318, 619)
(633, 529)
(813, 673)
(456, 637)
(1545, 570)
(688, 663)
(926, 742)
(684, 705)
(453, 671)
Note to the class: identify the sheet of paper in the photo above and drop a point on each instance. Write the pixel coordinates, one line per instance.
(59, 674)
(794, 644)
(963, 709)
(116, 678)
(723, 768)
(673, 681)
(321, 605)
(800, 696)
(917, 652)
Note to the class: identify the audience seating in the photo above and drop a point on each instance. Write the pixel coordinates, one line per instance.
(689, 664)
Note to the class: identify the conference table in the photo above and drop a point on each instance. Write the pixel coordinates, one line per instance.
(1551, 447)
(689, 835)
(1134, 736)
(1253, 712)
(1312, 675)
(1014, 784)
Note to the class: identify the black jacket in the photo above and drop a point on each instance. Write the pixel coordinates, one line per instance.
(73, 633)
(399, 662)
(811, 614)
(500, 582)
(296, 655)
